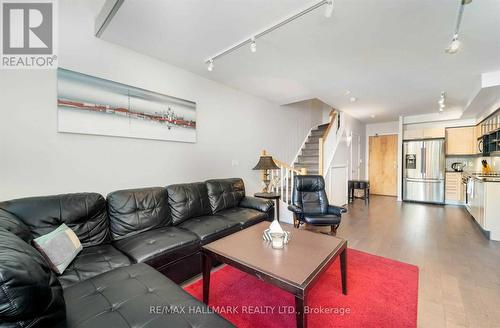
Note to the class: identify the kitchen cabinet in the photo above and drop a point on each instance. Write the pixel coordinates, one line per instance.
(461, 141)
(425, 133)
(413, 134)
(477, 132)
(453, 191)
(483, 205)
(477, 135)
(476, 202)
(490, 124)
(430, 133)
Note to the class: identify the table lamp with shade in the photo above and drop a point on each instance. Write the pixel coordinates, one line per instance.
(265, 164)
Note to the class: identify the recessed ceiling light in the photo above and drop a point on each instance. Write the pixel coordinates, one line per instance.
(353, 99)
(372, 115)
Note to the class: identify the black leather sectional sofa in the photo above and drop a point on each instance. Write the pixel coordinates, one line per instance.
(137, 245)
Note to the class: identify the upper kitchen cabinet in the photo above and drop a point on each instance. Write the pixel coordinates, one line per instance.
(490, 124)
(461, 141)
(425, 133)
(432, 133)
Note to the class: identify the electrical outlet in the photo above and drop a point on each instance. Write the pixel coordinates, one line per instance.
(235, 162)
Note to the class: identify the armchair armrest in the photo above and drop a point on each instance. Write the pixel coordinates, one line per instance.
(12, 223)
(295, 209)
(258, 204)
(336, 210)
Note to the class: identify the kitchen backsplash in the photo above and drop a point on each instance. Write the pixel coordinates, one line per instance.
(473, 164)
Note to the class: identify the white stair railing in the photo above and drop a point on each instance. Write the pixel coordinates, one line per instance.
(331, 149)
(286, 175)
(327, 143)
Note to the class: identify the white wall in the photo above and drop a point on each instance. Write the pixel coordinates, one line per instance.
(343, 153)
(342, 158)
(382, 128)
(37, 160)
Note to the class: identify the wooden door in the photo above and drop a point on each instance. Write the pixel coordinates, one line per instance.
(382, 165)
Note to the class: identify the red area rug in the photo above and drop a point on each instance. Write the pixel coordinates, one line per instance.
(381, 293)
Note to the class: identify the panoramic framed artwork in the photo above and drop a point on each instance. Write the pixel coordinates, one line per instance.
(91, 105)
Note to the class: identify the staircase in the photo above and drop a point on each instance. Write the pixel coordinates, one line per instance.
(309, 156)
(316, 153)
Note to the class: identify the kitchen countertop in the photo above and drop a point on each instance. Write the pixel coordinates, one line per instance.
(487, 179)
(495, 177)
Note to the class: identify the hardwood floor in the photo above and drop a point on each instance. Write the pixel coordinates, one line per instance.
(459, 282)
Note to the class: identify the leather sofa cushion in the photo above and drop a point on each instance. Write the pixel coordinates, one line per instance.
(136, 210)
(160, 246)
(12, 223)
(129, 297)
(244, 216)
(211, 227)
(225, 193)
(322, 219)
(188, 200)
(92, 261)
(259, 204)
(30, 295)
(84, 213)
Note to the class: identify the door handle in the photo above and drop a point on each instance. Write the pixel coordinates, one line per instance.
(422, 160)
(424, 180)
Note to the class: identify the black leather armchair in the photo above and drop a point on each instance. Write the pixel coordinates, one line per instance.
(310, 203)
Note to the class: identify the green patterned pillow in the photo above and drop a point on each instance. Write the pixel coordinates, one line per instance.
(59, 247)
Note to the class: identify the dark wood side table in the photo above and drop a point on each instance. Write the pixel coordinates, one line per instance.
(358, 184)
(273, 196)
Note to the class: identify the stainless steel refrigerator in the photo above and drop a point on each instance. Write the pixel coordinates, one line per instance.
(424, 171)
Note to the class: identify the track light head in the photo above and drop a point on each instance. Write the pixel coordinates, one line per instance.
(328, 4)
(253, 45)
(441, 101)
(329, 8)
(454, 45)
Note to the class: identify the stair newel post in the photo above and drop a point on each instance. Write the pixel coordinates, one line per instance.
(281, 180)
(271, 175)
(286, 184)
(320, 156)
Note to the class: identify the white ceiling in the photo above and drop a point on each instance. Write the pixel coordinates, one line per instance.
(389, 53)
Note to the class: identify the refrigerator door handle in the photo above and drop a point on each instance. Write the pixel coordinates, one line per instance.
(422, 161)
(425, 180)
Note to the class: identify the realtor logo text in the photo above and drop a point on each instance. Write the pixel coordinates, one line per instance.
(28, 34)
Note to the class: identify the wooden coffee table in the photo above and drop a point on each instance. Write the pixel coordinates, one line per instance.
(293, 269)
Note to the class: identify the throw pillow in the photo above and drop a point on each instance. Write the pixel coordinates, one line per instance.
(59, 247)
